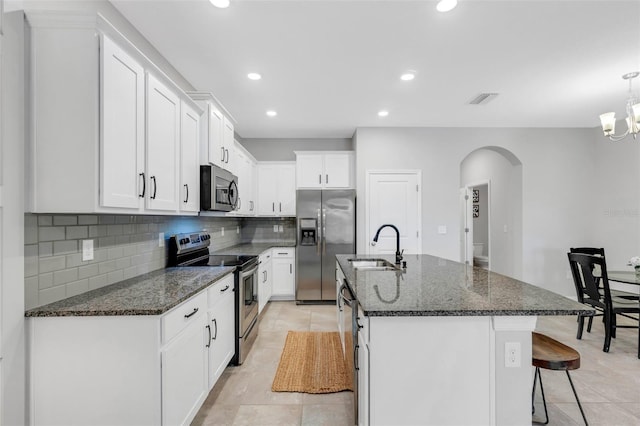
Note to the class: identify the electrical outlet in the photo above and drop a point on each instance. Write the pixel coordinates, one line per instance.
(87, 250)
(161, 239)
(222, 231)
(280, 228)
(512, 354)
(238, 229)
(442, 229)
(275, 228)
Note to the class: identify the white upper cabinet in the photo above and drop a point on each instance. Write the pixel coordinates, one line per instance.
(217, 143)
(189, 157)
(331, 169)
(276, 188)
(102, 138)
(163, 142)
(246, 172)
(122, 144)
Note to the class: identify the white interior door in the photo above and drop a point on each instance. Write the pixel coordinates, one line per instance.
(466, 227)
(394, 197)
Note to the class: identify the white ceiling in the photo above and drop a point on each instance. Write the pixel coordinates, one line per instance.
(328, 67)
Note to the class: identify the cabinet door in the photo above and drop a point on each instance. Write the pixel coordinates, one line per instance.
(163, 141)
(286, 190)
(244, 182)
(216, 148)
(337, 171)
(222, 330)
(122, 124)
(267, 189)
(184, 374)
(227, 143)
(283, 277)
(189, 165)
(309, 171)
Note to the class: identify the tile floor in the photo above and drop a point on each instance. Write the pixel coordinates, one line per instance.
(608, 383)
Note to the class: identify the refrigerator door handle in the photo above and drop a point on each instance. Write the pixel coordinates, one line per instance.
(319, 236)
(324, 231)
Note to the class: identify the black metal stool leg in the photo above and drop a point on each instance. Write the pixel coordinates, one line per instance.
(577, 399)
(538, 376)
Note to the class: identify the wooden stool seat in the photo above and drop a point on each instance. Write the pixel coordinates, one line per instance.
(550, 354)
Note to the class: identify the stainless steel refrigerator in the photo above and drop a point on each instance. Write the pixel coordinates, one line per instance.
(326, 227)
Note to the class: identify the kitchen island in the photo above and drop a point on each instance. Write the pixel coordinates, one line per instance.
(443, 343)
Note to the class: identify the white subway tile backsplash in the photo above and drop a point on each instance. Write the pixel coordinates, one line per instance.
(77, 232)
(87, 219)
(45, 280)
(125, 246)
(51, 295)
(65, 276)
(65, 247)
(88, 271)
(97, 282)
(45, 249)
(65, 220)
(50, 264)
(44, 220)
(50, 233)
(77, 287)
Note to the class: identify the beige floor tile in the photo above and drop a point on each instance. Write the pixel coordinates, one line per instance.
(608, 384)
(268, 415)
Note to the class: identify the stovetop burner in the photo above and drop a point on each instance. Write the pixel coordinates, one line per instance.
(192, 249)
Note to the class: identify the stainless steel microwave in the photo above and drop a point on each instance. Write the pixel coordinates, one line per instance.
(218, 189)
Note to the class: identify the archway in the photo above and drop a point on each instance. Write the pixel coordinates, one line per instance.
(496, 173)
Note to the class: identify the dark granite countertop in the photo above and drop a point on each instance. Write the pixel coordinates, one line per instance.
(432, 286)
(149, 294)
(252, 249)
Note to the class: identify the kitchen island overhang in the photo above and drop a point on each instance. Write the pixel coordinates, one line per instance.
(436, 339)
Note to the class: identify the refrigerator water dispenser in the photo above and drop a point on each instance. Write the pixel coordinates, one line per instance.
(308, 236)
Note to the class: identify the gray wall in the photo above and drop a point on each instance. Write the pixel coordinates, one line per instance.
(282, 149)
(558, 169)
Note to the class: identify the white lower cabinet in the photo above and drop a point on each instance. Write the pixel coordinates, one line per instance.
(283, 264)
(184, 374)
(220, 328)
(265, 282)
(362, 365)
(131, 370)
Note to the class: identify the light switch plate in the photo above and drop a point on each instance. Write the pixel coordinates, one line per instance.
(280, 228)
(275, 228)
(161, 239)
(442, 229)
(87, 250)
(512, 354)
(222, 231)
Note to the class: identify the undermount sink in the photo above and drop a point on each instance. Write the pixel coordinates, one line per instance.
(373, 264)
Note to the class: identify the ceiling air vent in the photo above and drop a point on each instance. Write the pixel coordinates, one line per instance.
(483, 98)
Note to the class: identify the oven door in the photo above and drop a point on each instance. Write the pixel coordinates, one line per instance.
(247, 303)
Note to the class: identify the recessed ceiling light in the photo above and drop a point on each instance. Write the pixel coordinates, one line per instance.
(220, 3)
(383, 113)
(408, 76)
(271, 113)
(254, 76)
(446, 5)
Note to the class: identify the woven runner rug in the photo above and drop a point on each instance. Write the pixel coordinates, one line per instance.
(312, 362)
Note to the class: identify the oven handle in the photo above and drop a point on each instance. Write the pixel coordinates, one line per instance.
(249, 272)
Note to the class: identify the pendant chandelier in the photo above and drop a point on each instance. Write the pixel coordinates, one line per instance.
(608, 119)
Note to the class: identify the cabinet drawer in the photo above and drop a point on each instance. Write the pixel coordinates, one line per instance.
(182, 315)
(265, 256)
(220, 289)
(280, 252)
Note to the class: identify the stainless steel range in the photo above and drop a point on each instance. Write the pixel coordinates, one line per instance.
(192, 249)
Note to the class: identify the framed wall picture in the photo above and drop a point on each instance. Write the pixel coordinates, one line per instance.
(476, 210)
(476, 196)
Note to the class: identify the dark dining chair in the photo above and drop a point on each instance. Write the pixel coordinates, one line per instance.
(582, 268)
(595, 251)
